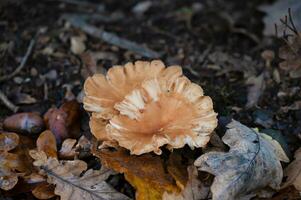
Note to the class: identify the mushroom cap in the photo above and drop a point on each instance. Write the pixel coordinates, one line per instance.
(143, 106)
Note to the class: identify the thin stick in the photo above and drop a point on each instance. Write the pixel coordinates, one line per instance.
(110, 38)
(292, 21)
(7, 102)
(23, 62)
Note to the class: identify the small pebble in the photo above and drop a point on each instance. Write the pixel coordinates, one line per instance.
(18, 80)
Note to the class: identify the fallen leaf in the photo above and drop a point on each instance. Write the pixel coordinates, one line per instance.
(68, 151)
(70, 184)
(12, 164)
(177, 170)
(250, 165)
(72, 108)
(46, 142)
(23, 98)
(24, 123)
(255, 90)
(9, 163)
(289, 193)
(291, 55)
(277, 147)
(8, 141)
(194, 189)
(145, 172)
(293, 172)
(84, 147)
(90, 59)
(44, 191)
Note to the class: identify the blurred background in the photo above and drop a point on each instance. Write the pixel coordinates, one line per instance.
(230, 48)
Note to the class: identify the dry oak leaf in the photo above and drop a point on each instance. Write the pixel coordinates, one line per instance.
(8, 141)
(293, 172)
(145, 105)
(194, 189)
(250, 165)
(11, 165)
(44, 190)
(46, 142)
(68, 151)
(145, 173)
(70, 181)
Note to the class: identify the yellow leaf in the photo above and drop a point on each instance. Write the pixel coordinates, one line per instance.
(145, 173)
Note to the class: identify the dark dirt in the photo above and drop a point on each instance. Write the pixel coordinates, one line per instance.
(205, 38)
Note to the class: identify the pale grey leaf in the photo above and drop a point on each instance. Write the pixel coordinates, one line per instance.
(250, 165)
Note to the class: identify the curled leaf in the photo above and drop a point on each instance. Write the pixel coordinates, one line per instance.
(46, 142)
(14, 163)
(145, 173)
(43, 191)
(8, 141)
(250, 165)
(277, 148)
(67, 150)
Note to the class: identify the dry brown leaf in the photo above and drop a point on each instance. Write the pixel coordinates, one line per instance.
(9, 163)
(177, 169)
(8, 141)
(290, 53)
(69, 182)
(145, 172)
(289, 193)
(194, 189)
(68, 151)
(43, 191)
(293, 172)
(46, 142)
(14, 163)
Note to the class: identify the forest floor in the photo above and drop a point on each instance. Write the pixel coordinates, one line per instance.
(218, 43)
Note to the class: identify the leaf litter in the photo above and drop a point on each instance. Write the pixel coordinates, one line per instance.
(225, 60)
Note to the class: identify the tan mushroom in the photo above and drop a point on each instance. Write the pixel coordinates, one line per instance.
(145, 105)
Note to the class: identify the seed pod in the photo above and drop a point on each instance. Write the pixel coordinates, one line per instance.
(28, 123)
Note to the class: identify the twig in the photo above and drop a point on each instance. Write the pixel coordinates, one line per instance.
(110, 38)
(23, 62)
(7, 102)
(292, 21)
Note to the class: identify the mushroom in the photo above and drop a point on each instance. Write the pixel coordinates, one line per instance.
(268, 56)
(145, 105)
